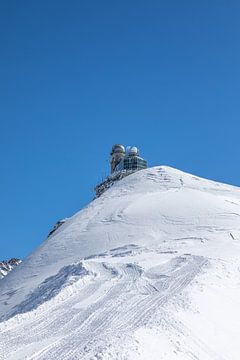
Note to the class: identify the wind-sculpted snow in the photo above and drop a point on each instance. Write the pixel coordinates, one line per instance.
(122, 298)
(51, 287)
(150, 270)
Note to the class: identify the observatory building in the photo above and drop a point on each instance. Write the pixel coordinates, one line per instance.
(123, 162)
(128, 160)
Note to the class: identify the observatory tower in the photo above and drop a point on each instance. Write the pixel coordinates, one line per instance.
(126, 160)
(123, 162)
(117, 155)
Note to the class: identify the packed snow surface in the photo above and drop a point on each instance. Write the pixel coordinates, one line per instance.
(148, 271)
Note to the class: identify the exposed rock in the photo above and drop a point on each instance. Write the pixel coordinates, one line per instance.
(7, 265)
(109, 181)
(56, 226)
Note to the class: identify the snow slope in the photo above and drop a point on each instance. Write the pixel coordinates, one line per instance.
(150, 270)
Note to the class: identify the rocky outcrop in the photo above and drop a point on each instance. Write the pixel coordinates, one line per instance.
(56, 226)
(109, 181)
(8, 265)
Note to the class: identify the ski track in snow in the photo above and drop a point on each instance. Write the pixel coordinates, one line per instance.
(128, 301)
(141, 273)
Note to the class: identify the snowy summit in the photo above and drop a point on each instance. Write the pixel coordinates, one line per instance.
(149, 270)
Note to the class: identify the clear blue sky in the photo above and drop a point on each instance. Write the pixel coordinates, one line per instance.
(78, 76)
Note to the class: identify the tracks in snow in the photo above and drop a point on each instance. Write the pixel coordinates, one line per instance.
(121, 298)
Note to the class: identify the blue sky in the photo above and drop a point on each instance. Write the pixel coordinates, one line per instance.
(78, 76)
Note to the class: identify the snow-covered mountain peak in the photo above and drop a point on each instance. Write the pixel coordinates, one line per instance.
(164, 177)
(117, 270)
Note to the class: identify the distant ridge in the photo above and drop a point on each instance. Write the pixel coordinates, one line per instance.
(8, 265)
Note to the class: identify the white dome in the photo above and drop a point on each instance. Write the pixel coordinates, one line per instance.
(133, 150)
(118, 148)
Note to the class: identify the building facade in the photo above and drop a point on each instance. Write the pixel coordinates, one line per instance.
(123, 162)
(128, 160)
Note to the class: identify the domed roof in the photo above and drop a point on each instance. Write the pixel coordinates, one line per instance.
(133, 151)
(118, 148)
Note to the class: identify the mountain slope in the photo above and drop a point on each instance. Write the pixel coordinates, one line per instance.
(150, 270)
